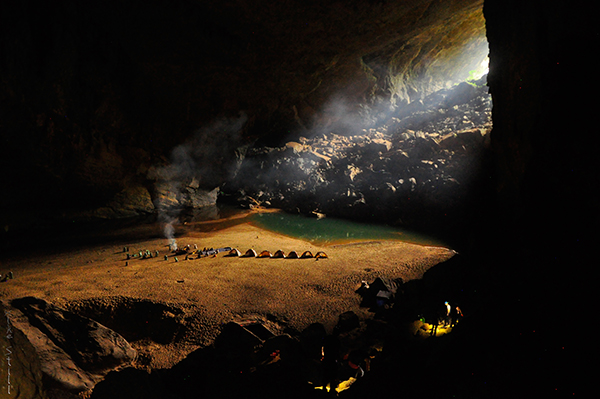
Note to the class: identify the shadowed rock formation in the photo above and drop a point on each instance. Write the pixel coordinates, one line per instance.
(52, 348)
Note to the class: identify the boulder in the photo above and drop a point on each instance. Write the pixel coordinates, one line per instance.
(296, 147)
(353, 171)
(130, 202)
(169, 195)
(472, 137)
(450, 141)
(347, 321)
(468, 138)
(199, 198)
(59, 349)
(20, 368)
(311, 340)
(407, 135)
(380, 293)
(376, 146)
(462, 94)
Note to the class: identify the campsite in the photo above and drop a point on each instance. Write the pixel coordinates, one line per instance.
(187, 302)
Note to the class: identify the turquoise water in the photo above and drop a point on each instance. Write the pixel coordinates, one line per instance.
(331, 230)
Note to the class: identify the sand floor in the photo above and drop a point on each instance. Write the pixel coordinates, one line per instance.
(211, 291)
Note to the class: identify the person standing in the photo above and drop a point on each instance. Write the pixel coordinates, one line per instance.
(456, 315)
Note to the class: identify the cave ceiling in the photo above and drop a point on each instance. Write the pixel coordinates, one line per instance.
(93, 93)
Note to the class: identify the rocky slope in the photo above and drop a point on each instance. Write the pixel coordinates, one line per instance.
(420, 169)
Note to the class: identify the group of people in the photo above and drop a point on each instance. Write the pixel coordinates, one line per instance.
(448, 317)
(330, 364)
(453, 315)
(143, 254)
(187, 251)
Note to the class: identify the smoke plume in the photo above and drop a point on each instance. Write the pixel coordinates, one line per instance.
(196, 169)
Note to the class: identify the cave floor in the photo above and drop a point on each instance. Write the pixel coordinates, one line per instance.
(204, 293)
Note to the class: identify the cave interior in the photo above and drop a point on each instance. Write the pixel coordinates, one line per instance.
(104, 102)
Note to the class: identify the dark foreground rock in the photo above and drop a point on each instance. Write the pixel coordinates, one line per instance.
(51, 349)
(505, 345)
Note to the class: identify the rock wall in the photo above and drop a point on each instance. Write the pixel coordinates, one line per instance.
(542, 138)
(96, 94)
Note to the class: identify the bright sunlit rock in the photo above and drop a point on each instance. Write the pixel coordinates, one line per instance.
(483, 68)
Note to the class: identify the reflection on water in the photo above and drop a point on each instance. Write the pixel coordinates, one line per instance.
(331, 230)
(319, 231)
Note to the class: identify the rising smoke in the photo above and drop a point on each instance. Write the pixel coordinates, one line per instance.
(196, 169)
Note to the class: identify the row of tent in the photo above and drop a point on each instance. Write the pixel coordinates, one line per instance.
(251, 253)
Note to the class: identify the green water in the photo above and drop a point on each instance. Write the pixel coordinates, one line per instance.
(331, 230)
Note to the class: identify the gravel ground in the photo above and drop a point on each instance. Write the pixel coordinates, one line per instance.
(183, 303)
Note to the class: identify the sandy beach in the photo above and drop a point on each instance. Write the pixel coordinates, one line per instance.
(195, 297)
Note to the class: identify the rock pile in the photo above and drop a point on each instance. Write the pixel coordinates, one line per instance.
(419, 166)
